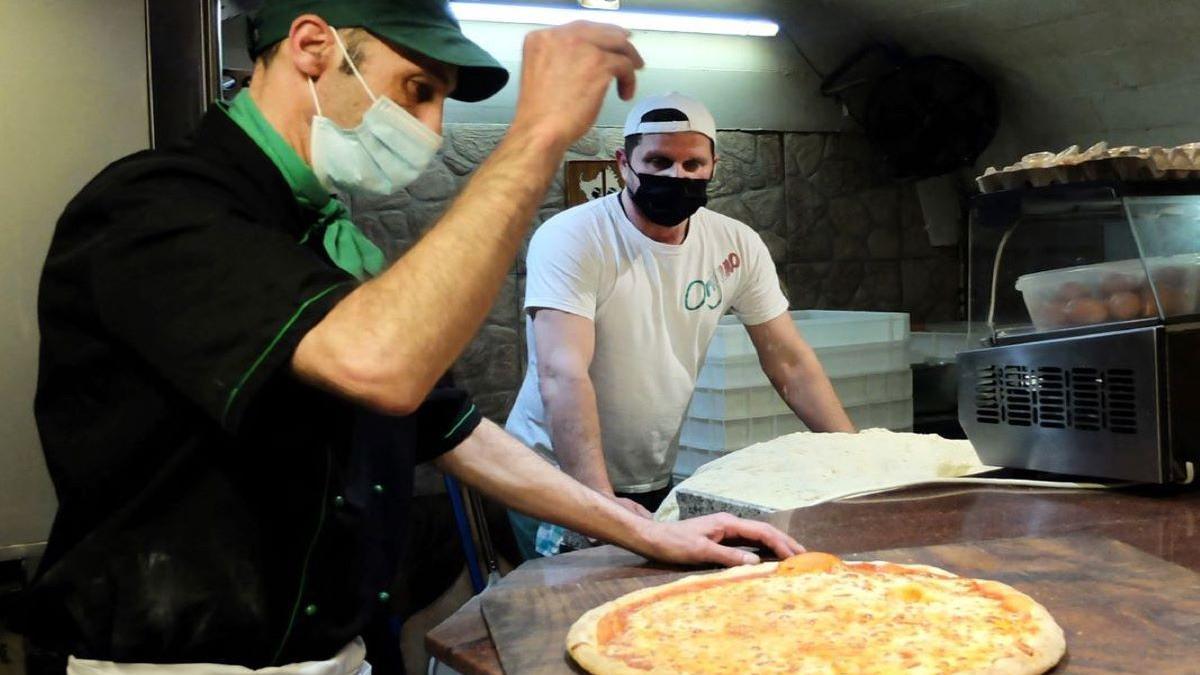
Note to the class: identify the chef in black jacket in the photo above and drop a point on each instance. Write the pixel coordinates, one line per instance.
(235, 385)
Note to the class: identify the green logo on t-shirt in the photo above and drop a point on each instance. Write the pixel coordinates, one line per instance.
(701, 293)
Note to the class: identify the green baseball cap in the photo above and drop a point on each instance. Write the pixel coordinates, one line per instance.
(424, 26)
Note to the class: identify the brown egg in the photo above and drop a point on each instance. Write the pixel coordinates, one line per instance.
(1115, 282)
(1171, 276)
(1050, 314)
(1072, 290)
(1085, 312)
(1173, 300)
(1149, 305)
(1124, 305)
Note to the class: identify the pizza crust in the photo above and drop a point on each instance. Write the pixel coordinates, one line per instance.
(1049, 644)
(583, 643)
(583, 639)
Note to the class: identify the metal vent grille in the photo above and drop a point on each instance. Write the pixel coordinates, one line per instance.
(1086, 399)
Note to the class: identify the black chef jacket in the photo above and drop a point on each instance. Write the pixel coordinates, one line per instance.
(212, 508)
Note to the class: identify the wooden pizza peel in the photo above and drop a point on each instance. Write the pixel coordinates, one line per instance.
(1122, 610)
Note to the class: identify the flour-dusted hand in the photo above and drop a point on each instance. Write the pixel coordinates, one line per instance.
(565, 74)
(697, 540)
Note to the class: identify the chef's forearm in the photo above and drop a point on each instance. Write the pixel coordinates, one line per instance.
(807, 390)
(386, 344)
(501, 467)
(574, 423)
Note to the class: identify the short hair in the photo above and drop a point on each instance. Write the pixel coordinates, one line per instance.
(660, 115)
(353, 37)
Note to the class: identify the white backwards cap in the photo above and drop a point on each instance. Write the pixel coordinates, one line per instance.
(696, 116)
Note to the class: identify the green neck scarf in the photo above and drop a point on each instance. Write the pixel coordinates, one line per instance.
(346, 245)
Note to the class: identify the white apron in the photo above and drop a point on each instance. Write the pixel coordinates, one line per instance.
(351, 660)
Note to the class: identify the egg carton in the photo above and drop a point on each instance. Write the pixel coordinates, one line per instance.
(1099, 162)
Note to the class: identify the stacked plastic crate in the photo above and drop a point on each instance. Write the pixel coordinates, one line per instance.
(865, 355)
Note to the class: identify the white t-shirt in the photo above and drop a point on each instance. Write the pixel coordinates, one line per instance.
(655, 307)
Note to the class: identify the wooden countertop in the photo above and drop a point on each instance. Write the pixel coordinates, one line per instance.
(1162, 522)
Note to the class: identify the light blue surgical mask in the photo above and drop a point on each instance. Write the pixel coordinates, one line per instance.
(387, 151)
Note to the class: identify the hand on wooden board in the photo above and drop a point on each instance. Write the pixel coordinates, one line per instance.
(698, 540)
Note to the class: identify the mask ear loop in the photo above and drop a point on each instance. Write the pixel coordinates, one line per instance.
(635, 174)
(346, 54)
(316, 101)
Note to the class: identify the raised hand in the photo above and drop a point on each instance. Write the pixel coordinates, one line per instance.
(565, 74)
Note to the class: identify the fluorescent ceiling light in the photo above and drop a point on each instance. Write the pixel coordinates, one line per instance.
(554, 16)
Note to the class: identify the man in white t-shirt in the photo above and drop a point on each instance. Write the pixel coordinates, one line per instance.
(622, 297)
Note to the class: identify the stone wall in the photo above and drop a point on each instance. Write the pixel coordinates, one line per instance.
(842, 234)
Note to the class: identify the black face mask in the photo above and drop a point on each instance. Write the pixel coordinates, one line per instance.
(669, 201)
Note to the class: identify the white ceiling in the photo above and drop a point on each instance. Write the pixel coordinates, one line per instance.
(1068, 71)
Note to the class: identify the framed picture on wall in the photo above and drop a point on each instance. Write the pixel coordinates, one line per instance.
(588, 179)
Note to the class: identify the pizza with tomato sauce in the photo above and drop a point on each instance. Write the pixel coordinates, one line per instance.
(814, 613)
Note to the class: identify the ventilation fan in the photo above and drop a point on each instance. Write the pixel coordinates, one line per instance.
(928, 115)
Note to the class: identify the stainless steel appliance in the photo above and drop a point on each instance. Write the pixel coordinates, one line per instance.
(1084, 300)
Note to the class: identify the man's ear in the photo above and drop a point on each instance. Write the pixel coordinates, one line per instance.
(623, 164)
(311, 46)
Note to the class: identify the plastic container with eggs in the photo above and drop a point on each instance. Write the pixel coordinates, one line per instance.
(1112, 291)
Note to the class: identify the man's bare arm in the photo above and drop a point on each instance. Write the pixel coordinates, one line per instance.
(565, 345)
(793, 368)
(386, 344)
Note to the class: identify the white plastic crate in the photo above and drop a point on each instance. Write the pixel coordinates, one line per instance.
(935, 347)
(726, 435)
(820, 328)
(690, 459)
(838, 362)
(894, 415)
(763, 400)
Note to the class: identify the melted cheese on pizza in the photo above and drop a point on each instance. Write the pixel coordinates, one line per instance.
(819, 615)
